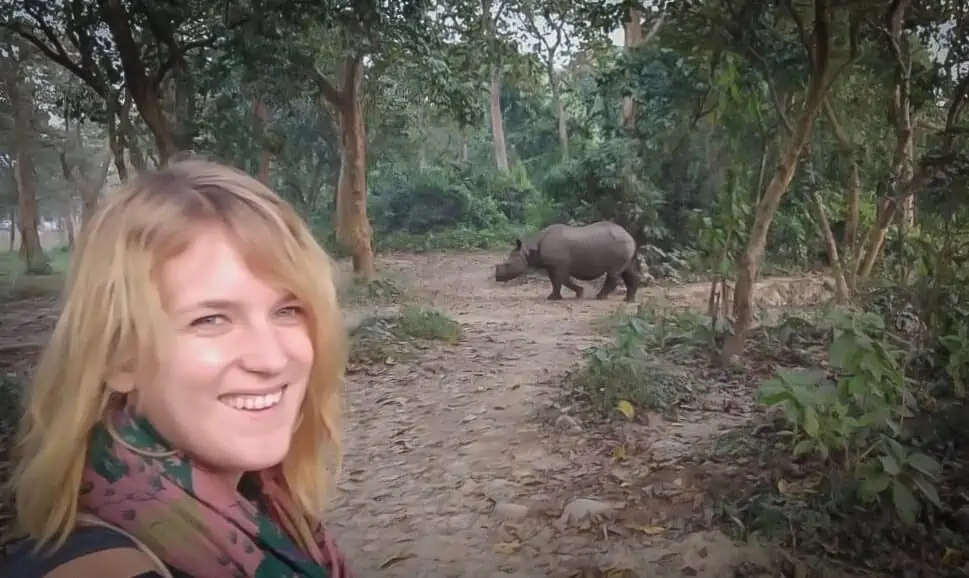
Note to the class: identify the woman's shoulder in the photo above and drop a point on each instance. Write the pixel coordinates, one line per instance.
(86, 547)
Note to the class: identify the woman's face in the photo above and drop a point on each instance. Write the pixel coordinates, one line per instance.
(231, 389)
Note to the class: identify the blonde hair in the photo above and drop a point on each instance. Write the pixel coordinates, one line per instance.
(113, 312)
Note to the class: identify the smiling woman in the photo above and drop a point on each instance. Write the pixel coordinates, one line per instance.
(197, 365)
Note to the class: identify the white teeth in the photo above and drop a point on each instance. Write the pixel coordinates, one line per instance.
(253, 402)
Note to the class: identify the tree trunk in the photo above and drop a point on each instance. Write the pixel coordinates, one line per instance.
(35, 260)
(633, 35)
(116, 139)
(903, 169)
(854, 179)
(781, 180)
(262, 121)
(876, 238)
(498, 124)
(499, 142)
(352, 224)
(560, 114)
(422, 134)
(20, 93)
(14, 224)
(69, 225)
(143, 89)
(841, 286)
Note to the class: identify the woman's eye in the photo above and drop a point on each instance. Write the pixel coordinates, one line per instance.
(290, 311)
(208, 321)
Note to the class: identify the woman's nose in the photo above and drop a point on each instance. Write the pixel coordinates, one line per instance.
(265, 349)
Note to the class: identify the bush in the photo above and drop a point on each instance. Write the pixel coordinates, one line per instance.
(459, 239)
(606, 182)
(626, 372)
(436, 199)
(382, 291)
(393, 338)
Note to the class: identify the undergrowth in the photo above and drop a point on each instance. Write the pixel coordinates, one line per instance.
(628, 371)
(457, 239)
(865, 465)
(393, 338)
(17, 285)
(11, 395)
(859, 458)
(864, 439)
(380, 291)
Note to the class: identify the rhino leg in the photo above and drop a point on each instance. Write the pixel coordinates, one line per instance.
(574, 286)
(631, 279)
(608, 286)
(558, 278)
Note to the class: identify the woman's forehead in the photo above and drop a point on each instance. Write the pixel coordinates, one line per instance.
(212, 269)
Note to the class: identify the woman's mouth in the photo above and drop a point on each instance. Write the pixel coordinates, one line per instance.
(248, 402)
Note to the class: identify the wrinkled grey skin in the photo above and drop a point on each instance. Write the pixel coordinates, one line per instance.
(584, 253)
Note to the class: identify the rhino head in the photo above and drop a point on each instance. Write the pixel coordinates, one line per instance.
(515, 265)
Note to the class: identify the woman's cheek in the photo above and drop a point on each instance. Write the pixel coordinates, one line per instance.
(203, 355)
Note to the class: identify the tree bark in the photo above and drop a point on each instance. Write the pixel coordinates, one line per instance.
(14, 225)
(20, 92)
(144, 89)
(750, 259)
(903, 170)
(262, 122)
(853, 210)
(354, 226)
(352, 223)
(89, 188)
(560, 115)
(841, 286)
(633, 33)
(498, 124)
(69, 224)
(498, 139)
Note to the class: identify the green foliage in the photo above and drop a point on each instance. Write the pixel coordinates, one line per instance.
(435, 199)
(381, 291)
(391, 338)
(721, 231)
(629, 371)
(451, 207)
(606, 182)
(459, 239)
(855, 420)
(427, 324)
(16, 284)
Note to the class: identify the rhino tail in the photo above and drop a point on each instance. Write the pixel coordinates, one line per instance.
(637, 268)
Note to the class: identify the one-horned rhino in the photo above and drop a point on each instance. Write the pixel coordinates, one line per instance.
(584, 252)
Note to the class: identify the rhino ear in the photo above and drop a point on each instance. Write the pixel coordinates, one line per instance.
(518, 244)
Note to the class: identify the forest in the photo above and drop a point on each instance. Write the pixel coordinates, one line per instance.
(786, 397)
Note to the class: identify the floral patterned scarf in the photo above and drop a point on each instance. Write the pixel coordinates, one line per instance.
(186, 517)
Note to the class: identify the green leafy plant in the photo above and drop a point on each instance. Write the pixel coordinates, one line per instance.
(855, 420)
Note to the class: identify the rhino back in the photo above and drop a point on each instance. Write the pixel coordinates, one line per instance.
(588, 251)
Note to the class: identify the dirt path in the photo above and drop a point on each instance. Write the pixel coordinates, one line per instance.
(449, 473)
(460, 464)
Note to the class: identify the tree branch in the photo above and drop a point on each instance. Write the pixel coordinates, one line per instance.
(56, 53)
(177, 53)
(654, 28)
(803, 33)
(330, 93)
(854, 43)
